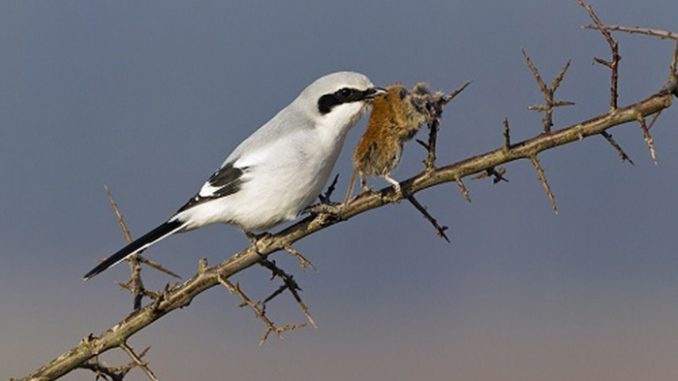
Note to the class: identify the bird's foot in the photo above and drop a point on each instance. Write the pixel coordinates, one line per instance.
(333, 208)
(254, 238)
(396, 187)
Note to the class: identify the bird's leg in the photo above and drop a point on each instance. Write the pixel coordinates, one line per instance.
(395, 183)
(363, 183)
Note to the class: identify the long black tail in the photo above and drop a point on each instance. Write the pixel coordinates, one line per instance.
(136, 246)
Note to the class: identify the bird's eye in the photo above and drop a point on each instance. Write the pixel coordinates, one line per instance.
(345, 93)
(402, 93)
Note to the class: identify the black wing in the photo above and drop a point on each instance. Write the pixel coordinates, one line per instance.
(227, 180)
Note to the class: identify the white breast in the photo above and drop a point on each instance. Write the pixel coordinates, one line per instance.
(284, 175)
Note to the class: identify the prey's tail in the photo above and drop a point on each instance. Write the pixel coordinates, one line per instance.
(137, 246)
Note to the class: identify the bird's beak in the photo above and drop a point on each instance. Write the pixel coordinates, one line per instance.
(372, 92)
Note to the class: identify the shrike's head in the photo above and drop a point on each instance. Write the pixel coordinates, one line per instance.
(338, 99)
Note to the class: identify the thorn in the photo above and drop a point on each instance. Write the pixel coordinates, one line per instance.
(202, 265)
(617, 147)
(303, 262)
(544, 182)
(559, 78)
(118, 215)
(507, 136)
(440, 230)
(464, 191)
(156, 266)
(421, 143)
(647, 137)
(654, 119)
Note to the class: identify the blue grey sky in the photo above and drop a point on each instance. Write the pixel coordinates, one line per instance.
(149, 97)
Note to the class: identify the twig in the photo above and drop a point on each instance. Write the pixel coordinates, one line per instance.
(613, 64)
(106, 372)
(436, 112)
(259, 311)
(663, 34)
(138, 360)
(440, 230)
(544, 182)
(135, 285)
(291, 285)
(549, 99)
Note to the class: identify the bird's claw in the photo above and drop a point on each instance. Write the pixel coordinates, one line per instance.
(333, 208)
(254, 238)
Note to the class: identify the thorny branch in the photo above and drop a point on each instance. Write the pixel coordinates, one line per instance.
(181, 295)
(613, 65)
(440, 230)
(673, 74)
(637, 30)
(138, 360)
(135, 284)
(84, 354)
(436, 112)
(259, 310)
(288, 284)
(106, 372)
(549, 93)
(118, 373)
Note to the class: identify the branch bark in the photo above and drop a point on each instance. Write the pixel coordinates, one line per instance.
(181, 295)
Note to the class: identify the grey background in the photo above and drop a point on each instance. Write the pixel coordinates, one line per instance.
(150, 96)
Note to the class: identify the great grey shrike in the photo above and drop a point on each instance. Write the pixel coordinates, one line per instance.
(277, 171)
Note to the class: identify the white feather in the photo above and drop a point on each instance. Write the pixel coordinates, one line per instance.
(288, 161)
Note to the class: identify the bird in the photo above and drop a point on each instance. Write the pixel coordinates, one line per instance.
(277, 171)
(396, 117)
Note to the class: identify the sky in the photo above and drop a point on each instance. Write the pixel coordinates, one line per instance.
(149, 97)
